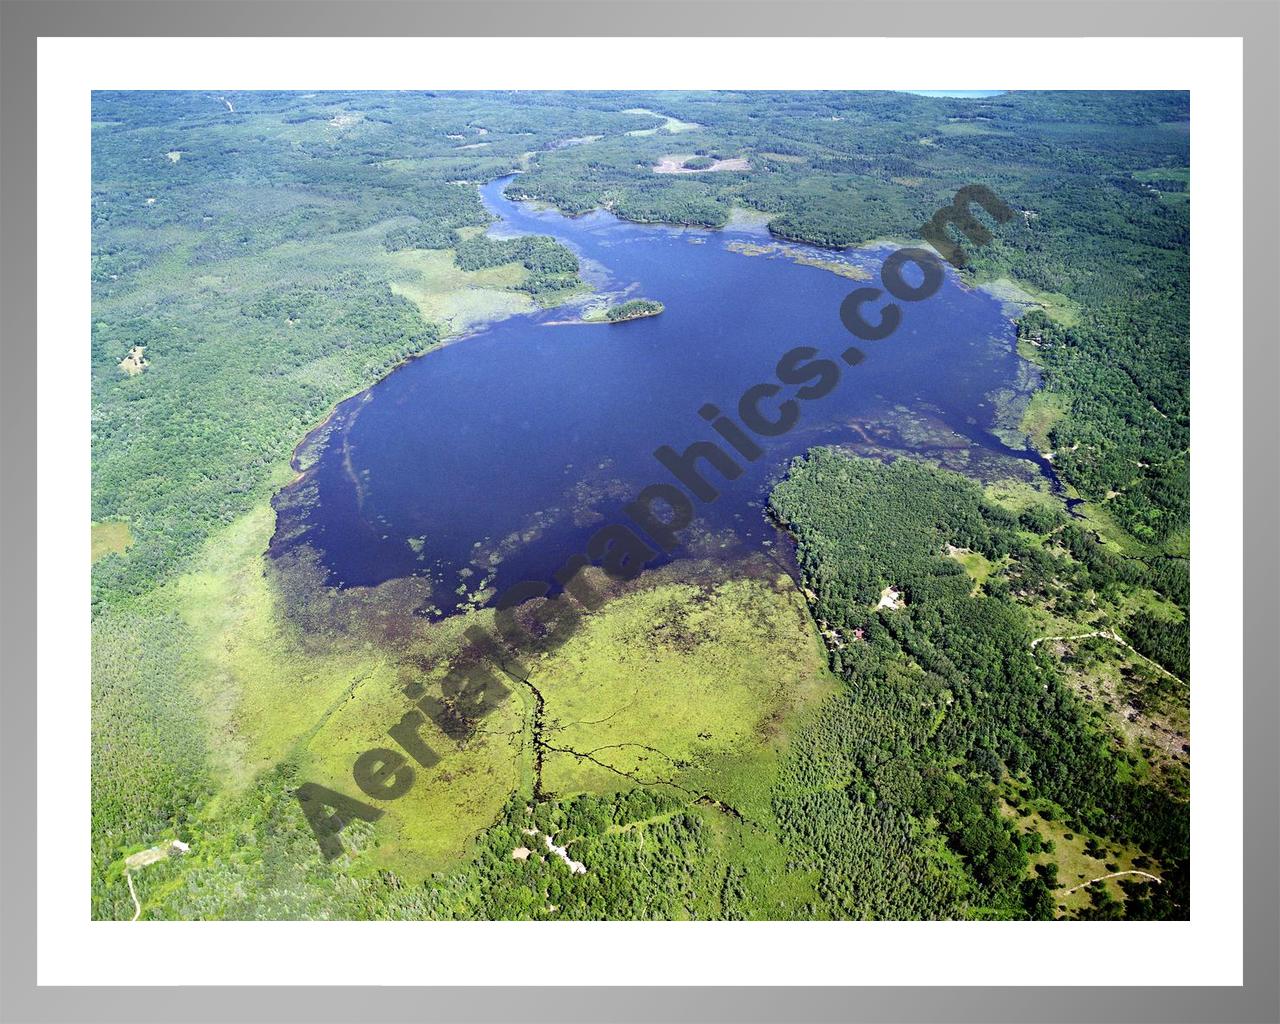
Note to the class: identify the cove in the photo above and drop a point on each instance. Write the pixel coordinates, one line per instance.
(490, 461)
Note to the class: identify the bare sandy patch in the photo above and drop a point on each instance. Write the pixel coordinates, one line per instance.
(890, 598)
(576, 140)
(674, 164)
(134, 363)
(346, 120)
(110, 537)
(671, 124)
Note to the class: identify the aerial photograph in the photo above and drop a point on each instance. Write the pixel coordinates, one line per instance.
(667, 505)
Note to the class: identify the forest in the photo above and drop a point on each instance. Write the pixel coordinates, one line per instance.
(268, 256)
(633, 309)
(947, 699)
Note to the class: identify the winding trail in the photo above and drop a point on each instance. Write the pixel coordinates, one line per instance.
(1108, 634)
(1114, 874)
(1077, 636)
(128, 877)
(148, 856)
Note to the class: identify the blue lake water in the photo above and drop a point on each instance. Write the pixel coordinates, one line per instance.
(492, 459)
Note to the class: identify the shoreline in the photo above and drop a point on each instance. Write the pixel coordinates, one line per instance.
(882, 242)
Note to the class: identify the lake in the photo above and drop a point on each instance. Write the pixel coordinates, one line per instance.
(492, 459)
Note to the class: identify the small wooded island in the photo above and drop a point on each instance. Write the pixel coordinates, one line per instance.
(632, 310)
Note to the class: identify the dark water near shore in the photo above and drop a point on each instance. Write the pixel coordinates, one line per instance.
(492, 460)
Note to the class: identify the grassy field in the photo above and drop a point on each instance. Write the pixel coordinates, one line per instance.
(1018, 495)
(1079, 856)
(683, 683)
(670, 124)
(1145, 711)
(670, 680)
(1180, 174)
(110, 538)
(461, 300)
(1019, 295)
(1157, 178)
(976, 564)
(1044, 410)
(697, 687)
(272, 693)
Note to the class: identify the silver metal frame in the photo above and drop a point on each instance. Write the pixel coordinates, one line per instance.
(23, 21)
